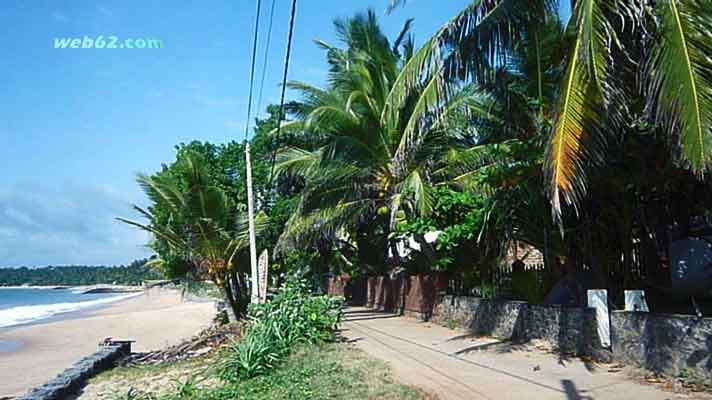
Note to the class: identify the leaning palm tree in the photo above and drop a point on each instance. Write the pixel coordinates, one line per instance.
(660, 51)
(367, 163)
(201, 227)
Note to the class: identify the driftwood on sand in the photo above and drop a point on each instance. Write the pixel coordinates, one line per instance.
(207, 341)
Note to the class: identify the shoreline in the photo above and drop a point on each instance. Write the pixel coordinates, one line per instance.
(156, 319)
(86, 289)
(69, 315)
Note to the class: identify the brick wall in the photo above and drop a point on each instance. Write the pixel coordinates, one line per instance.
(414, 296)
(528, 254)
(353, 290)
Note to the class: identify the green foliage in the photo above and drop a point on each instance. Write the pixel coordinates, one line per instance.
(312, 372)
(193, 219)
(461, 216)
(132, 274)
(368, 160)
(320, 372)
(525, 286)
(222, 176)
(292, 316)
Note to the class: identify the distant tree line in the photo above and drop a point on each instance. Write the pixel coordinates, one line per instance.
(76, 275)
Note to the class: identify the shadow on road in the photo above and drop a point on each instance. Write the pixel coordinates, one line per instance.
(571, 392)
(364, 315)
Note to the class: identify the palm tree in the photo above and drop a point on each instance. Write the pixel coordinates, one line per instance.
(368, 163)
(202, 226)
(660, 51)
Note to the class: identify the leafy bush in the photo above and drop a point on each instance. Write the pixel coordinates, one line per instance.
(292, 316)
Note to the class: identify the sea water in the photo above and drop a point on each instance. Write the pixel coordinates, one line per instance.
(20, 306)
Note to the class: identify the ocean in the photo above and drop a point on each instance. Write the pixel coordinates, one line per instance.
(20, 306)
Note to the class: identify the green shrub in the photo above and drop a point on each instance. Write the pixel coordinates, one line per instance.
(292, 316)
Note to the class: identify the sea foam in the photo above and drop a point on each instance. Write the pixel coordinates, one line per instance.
(27, 314)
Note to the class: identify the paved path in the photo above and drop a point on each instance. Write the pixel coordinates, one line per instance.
(454, 365)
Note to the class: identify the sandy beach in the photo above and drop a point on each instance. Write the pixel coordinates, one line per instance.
(156, 319)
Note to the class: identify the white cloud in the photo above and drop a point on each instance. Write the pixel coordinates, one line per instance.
(73, 224)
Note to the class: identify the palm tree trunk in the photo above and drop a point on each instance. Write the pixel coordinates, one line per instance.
(232, 292)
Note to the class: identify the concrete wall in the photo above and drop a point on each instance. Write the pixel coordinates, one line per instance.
(569, 329)
(72, 379)
(668, 344)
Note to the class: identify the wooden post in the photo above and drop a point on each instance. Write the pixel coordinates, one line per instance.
(254, 289)
(262, 273)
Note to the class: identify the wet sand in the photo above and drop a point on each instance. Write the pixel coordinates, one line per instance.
(156, 319)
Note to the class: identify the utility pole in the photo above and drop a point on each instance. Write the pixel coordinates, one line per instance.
(255, 292)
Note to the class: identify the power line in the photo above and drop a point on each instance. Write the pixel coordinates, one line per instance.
(284, 88)
(264, 61)
(252, 68)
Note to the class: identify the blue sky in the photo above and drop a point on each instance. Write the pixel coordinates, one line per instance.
(77, 124)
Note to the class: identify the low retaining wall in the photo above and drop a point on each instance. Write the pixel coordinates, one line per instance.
(668, 344)
(72, 379)
(663, 343)
(569, 329)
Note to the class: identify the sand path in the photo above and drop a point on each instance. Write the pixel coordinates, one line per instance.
(456, 365)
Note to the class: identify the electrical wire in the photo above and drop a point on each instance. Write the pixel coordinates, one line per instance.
(264, 61)
(252, 68)
(284, 88)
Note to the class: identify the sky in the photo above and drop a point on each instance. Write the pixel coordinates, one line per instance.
(76, 125)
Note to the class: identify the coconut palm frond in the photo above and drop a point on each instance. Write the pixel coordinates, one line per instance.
(402, 36)
(294, 161)
(162, 189)
(395, 4)
(682, 77)
(174, 240)
(429, 99)
(321, 223)
(467, 46)
(423, 196)
(581, 105)
(202, 224)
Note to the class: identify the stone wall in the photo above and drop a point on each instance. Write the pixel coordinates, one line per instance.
(571, 330)
(667, 344)
(663, 343)
(71, 380)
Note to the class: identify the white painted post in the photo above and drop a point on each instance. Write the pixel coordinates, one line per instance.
(598, 299)
(635, 301)
(255, 289)
(263, 272)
